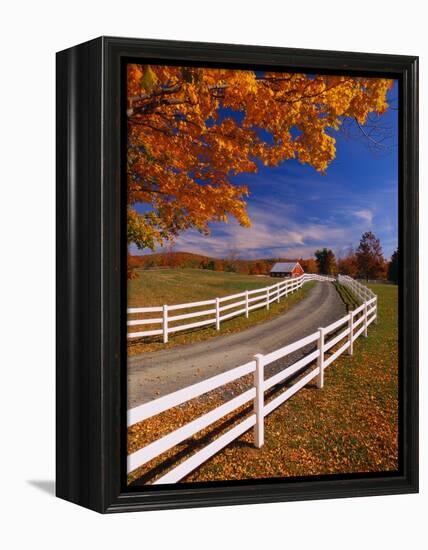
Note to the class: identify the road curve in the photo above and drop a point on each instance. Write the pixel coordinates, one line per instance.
(151, 375)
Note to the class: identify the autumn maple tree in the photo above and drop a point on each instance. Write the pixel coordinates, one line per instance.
(190, 130)
(347, 263)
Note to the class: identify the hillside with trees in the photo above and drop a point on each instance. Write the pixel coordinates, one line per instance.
(230, 263)
(365, 262)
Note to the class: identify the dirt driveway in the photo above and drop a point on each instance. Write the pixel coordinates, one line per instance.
(151, 375)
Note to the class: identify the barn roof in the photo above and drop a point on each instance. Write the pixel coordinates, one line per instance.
(283, 267)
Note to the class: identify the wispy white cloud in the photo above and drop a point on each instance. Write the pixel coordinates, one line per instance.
(365, 215)
(273, 232)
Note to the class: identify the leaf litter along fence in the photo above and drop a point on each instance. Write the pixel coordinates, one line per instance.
(219, 309)
(342, 333)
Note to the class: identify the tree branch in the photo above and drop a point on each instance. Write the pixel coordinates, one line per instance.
(369, 137)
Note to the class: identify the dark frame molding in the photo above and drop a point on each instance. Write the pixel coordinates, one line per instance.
(91, 357)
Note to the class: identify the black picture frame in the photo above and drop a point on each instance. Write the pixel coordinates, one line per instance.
(91, 289)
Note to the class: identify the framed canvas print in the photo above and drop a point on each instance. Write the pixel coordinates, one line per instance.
(237, 275)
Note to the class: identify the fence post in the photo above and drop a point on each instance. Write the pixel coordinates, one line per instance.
(365, 319)
(217, 313)
(246, 304)
(267, 298)
(259, 435)
(351, 334)
(165, 324)
(320, 360)
(278, 290)
(375, 304)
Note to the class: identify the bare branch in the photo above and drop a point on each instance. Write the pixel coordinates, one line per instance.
(368, 136)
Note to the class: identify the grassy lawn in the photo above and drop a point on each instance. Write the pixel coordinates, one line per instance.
(177, 286)
(351, 425)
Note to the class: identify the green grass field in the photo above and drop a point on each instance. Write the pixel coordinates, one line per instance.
(349, 426)
(178, 286)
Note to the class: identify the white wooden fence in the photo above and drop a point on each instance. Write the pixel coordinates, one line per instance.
(213, 311)
(331, 342)
(359, 290)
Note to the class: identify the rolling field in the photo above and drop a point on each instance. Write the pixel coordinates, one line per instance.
(155, 287)
(177, 286)
(350, 426)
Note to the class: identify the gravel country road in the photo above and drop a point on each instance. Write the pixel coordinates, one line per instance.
(151, 375)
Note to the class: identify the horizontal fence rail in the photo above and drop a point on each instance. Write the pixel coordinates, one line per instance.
(330, 342)
(167, 319)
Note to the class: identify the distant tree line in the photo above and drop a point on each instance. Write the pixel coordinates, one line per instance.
(231, 262)
(366, 262)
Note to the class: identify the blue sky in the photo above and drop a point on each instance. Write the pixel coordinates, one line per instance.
(294, 210)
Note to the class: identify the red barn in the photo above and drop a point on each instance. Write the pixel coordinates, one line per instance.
(286, 269)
